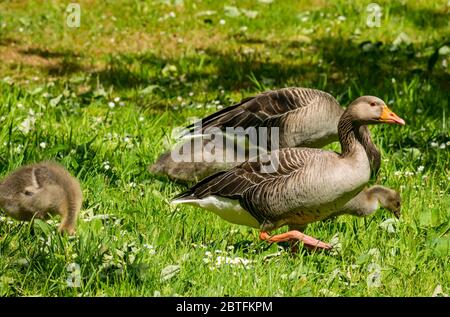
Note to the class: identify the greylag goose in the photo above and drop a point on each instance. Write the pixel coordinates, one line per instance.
(305, 118)
(41, 189)
(300, 185)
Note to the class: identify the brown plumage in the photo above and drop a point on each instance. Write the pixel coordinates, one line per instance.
(300, 185)
(305, 118)
(40, 190)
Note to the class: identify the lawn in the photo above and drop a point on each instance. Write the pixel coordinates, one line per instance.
(104, 97)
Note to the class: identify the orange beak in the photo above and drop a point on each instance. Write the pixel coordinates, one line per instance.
(387, 116)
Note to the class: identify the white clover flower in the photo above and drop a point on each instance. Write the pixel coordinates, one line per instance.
(117, 99)
(172, 14)
(222, 22)
(420, 169)
(106, 165)
(20, 106)
(434, 144)
(43, 145)
(150, 248)
(111, 105)
(27, 125)
(442, 146)
(19, 148)
(141, 118)
(388, 225)
(374, 279)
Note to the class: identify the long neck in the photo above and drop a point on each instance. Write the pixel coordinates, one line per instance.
(372, 151)
(350, 134)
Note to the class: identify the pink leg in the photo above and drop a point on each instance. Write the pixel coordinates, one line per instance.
(295, 235)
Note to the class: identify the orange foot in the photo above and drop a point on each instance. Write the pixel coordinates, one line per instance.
(294, 235)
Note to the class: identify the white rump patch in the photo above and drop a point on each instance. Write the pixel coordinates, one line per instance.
(226, 208)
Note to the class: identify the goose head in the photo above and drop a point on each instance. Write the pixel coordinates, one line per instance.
(373, 110)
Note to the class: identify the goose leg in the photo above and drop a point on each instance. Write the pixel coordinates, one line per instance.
(295, 235)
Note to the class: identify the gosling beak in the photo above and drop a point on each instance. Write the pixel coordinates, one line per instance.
(397, 214)
(387, 116)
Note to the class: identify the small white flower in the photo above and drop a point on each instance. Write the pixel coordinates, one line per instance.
(393, 80)
(341, 18)
(388, 225)
(420, 169)
(141, 118)
(150, 248)
(172, 14)
(397, 173)
(374, 279)
(442, 146)
(20, 106)
(43, 145)
(121, 103)
(222, 22)
(375, 253)
(169, 271)
(111, 104)
(179, 99)
(117, 99)
(434, 144)
(27, 125)
(191, 94)
(106, 165)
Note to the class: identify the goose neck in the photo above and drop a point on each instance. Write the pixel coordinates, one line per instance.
(348, 133)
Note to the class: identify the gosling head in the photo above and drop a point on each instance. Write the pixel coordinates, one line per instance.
(389, 199)
(373, 110)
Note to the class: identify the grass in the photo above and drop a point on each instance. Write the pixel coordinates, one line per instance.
(55, 89)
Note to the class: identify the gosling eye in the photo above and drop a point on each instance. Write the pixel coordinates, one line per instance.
(372, 104)
(28, 193)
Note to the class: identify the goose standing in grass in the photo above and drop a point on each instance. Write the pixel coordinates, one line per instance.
(305, 118)
(301, 185)
(40, 190)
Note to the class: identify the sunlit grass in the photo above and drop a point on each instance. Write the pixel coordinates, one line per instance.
(56, 89)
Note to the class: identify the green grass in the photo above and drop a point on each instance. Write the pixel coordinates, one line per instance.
(67, 77)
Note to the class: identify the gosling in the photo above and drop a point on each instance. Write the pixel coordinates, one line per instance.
(39, 190)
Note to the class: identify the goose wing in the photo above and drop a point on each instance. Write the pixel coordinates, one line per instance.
(256, 110)
(251, 183)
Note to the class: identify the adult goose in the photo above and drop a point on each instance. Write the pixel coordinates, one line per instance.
(301, 185)
(305, 118)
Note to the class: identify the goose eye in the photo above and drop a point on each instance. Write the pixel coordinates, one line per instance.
(28, 193)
